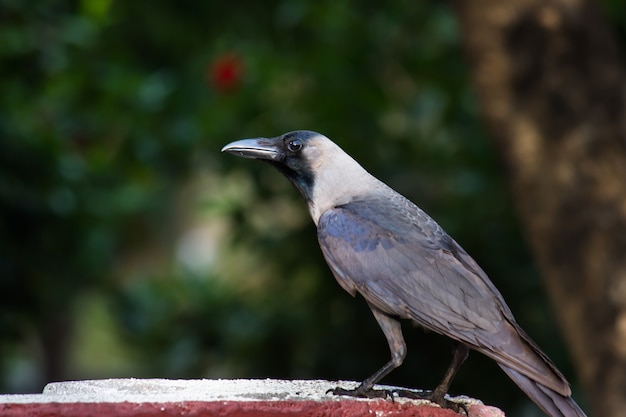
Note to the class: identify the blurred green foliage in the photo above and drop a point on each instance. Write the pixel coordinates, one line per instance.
(129, 246)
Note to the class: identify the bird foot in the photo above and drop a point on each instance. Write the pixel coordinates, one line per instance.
(434, 397)
(361, 392)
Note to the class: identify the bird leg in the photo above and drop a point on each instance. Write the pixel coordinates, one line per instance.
(460, 353)
(393, 332)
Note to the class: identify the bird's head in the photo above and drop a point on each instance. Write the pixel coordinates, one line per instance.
(293, 153)
(324, 174)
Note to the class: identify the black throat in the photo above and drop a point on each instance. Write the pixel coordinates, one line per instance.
(303, 179)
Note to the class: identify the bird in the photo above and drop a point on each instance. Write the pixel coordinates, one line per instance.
(382, 246)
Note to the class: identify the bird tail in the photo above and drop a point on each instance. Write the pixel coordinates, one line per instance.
(551, 402)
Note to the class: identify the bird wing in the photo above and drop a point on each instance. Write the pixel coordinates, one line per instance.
(404, 264)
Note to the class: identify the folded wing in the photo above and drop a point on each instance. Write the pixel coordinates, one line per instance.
(414, 270)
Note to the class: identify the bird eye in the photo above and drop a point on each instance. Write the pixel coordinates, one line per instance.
(295, 145)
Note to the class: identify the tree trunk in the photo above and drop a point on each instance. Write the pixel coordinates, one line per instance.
(552, 94)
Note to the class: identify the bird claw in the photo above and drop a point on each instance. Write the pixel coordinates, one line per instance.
(433, 397)
(362, 393)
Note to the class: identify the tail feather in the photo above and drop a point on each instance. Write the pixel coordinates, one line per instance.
(551, 402)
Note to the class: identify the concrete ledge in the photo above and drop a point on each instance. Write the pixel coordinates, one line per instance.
(232, 398)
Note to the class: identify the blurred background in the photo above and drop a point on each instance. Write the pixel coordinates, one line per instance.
(130, 247)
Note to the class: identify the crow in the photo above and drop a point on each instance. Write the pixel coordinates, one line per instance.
(380, 245)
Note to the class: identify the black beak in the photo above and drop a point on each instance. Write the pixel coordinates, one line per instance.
(258, 148)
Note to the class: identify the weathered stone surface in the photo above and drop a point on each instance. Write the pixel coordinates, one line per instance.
(232, 398)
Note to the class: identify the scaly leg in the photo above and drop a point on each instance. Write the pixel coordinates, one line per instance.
(393, 332)
(460, 353)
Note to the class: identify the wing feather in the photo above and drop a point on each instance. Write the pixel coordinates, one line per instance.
(407, 266)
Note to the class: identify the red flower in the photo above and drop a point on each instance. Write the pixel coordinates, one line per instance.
(225, 73)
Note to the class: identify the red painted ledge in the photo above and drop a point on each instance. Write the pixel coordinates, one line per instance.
(227, 398)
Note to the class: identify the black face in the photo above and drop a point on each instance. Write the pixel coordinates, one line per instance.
(292, 143)
(294, 164)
